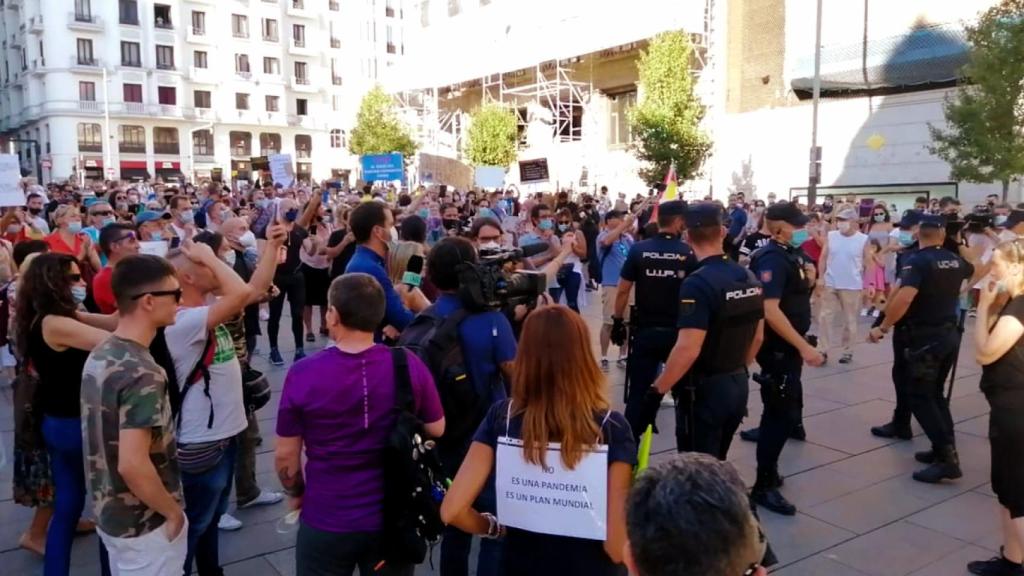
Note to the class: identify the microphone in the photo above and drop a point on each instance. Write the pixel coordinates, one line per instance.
(413, 270)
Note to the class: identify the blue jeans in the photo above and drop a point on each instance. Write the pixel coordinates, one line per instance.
(63, 437)
(570, 284)
(206, 498)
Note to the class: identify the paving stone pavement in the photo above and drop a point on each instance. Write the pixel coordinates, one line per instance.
(859, 511)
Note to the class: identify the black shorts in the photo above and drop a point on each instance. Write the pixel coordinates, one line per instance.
(317, 282)
(1006, 436)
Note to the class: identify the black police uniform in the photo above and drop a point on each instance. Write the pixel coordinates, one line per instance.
(781, 270)
(928, 342)
(725, 300)
(656, 267)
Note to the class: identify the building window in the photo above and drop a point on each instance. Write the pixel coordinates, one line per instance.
(198, 23)
(270, 144)
(87, 91)
(301, 106)
(162, 16)
(90, 138)
(202, 143)
(389, 8)
(425, 13)
(132, 92)
(241, 143)
(131, 139)
(83, 11)
(167, 95)
(391, 40)
(240, 26)
(165, 57)
(619, 133)
(241, 101)
(201, 99)
(85, 52)
(273, 103)
(337, 140)
(453, 7)
(270, 30)
(301, 73)
(336, 102)
(334, 6)
(128, 10)
(131, 54)
(303, 145)
(242, 64)
(299, 35)
(165, 140)
(199, 59)
(271, 65)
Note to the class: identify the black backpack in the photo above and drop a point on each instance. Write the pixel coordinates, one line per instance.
(414, 482)
(162, 355)
(435, 340)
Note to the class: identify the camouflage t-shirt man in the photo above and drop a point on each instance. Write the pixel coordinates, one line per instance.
(124, 388)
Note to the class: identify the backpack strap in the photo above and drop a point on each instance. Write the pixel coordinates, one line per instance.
(201, 369)
(403, 383)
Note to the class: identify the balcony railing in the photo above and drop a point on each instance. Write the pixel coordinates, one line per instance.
(89, 147)
(198, 31)
(89, 106)
(35, 24)
(271, 38)
(303, 154)
(269, 151)
(335, 42)
(84, 17)
(302, 80)
(163, 24)
(243, 74)
(298, 4)
(299, 42)
(336, 80)
(134, 108)
(165, 66)
(240, 34)
(84, 21)
(240, 152)
(130, 148)
(87, 61)
(166, 148)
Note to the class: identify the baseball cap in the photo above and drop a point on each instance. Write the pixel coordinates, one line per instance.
(910, 218)
(150, 216)
(703, 214)
(786, 212)
(932, 221)
(847, 214)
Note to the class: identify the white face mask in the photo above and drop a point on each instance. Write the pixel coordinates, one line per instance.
(229, 257)
(247, 240)
(843, 226)
(490, 246)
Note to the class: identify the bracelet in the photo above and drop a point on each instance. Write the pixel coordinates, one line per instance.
(493, 527)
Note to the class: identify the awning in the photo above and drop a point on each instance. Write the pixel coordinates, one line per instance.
(92, 162)
(160, 165)
(134, 170)
(923, 57)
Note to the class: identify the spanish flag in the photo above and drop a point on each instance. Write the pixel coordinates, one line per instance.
(671, 191)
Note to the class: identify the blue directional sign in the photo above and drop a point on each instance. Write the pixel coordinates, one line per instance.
(383, 167)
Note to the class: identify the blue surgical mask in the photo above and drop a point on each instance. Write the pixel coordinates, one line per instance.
(106, 222)
(291, 215)
(485, 213)
(1000, 220)
(906, 238)
(563, 227)
(187, 216)
(799, 237)
(547, 224)
(78, 293)
(156, 236)
(424, 213)
(263, 203)
(74, 227)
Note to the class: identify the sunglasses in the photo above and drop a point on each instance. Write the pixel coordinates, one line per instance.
(128, 236)
(75, 278)
(157, 293)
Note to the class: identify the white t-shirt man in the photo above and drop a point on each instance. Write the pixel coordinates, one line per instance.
(845, 266)
(186, 339)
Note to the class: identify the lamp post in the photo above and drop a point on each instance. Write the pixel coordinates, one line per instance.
(814, 172)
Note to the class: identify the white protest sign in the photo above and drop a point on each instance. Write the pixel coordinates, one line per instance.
(153, 248)
(281, 169)
(11, 193)
(553, 500)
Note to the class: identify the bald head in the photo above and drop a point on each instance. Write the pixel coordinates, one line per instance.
(233, 228)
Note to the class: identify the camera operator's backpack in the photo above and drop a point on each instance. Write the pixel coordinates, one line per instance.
(436, 341)
(414, 481)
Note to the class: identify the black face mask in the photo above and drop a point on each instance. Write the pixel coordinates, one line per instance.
(35, 211)
(450, 223)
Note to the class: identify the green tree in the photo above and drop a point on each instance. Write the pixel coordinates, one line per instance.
(491, 140)
(666, 120)
(378, 128)
(982, 140)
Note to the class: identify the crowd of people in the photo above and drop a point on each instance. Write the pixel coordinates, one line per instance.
(444, 385)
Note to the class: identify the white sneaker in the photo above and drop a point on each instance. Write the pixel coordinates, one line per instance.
(229, 523)
(264, 314)
(876, 313)
(863, 311)
(266, 498)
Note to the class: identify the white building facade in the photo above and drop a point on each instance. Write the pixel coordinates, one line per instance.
(194, 88)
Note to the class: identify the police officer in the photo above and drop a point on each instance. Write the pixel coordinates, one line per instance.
(788, 277)
(924, 313)
(720, 327)
(899, 426)
(657, 267)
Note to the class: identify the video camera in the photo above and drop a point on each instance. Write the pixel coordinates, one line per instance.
(487, 286)
(977, 222)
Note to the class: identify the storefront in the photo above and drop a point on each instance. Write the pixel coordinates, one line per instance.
(304, 171)
(241, 170)
(134, 170)
(168, 171)
(93, 167)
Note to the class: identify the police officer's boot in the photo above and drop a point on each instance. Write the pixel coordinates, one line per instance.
(946, 466)
(893, 430)
(925, 457)
(766, 493)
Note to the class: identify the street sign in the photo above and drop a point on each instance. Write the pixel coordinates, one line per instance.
(110, 173)
(383, 167)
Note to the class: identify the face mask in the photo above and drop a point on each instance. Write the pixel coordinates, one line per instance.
(490, 246)
(843, 226)
(133, 208)
(546, 224)
(1000, 220)
(78, 293)
(486, 213)
(906, 238)
(263, 203)
(14, 228)
(157, 236)
(248, 240)
(451, 223)
(229, 257)
(106, 222)
(291, 215)
(121, 206)
(74, 227)
(424, 213)
(187, 216)
(35, 211)
(563, 227)
(879, 217)
(799, 237)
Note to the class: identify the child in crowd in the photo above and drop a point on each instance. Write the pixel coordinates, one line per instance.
(874, 280)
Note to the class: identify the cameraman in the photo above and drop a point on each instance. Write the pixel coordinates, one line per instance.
(488, 349)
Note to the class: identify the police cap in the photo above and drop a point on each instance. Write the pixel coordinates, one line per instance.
(672, 208)
(786, 212)
(703, 214)
(932, 221)
(910, 219)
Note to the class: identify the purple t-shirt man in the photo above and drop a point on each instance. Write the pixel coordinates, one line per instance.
(341, 405)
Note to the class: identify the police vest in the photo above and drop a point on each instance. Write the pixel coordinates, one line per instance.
(741, 307)
(795, 302)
